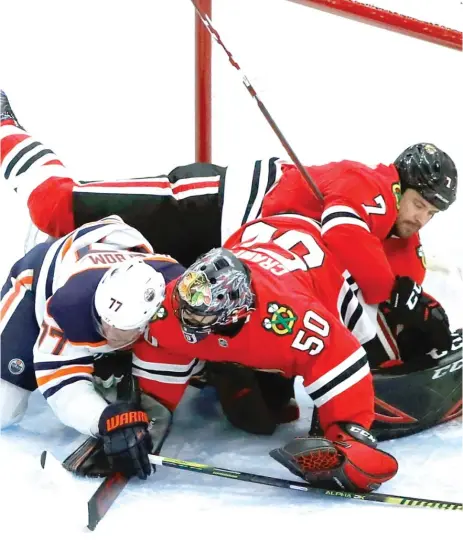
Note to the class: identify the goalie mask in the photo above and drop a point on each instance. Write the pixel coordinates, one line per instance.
(214, 291)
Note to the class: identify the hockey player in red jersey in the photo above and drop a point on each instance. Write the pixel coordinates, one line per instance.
(371, 216)
(275, 299)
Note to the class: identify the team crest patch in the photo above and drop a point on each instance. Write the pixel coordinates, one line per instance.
(16, 366)
(430, 149)
(420, 254)
(397, 191)
(160, 314)
(281, 320)
(195, 289)
(150, 295)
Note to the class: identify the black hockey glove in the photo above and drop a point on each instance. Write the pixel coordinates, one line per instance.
(412, 307)
(110, 368)
(126, 440)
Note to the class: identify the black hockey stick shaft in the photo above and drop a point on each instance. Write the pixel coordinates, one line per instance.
(215, 35)
(304, 487)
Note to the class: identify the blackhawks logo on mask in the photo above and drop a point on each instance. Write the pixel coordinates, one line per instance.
(195, 289)
(281, 319)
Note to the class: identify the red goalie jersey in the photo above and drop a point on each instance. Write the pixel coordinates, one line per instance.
(305, 310)
(357, 215)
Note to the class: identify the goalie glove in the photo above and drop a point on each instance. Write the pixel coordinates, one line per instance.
(346, 458)
(410, 306)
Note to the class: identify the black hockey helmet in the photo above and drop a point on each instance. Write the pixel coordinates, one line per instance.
(430, 171)
(214, 291)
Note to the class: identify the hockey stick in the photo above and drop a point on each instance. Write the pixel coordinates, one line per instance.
(102, 499)
(113, 485)
(215, 35)
(304, 487)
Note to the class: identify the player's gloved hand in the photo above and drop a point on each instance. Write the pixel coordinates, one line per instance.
(110, 368)
(411, 306)
(436, 323)
(126, 440)
(346, 457)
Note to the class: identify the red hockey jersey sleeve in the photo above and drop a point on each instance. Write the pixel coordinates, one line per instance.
(162, 374)
(363, 254)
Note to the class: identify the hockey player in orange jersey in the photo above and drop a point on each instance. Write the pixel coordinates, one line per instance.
(64, 304)
(274, 299)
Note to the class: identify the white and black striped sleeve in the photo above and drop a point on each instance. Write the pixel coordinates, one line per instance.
(340, 378)
(174, 374)
(243, 191)
(339, 215)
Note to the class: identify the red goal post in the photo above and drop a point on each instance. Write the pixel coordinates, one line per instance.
(362, 12)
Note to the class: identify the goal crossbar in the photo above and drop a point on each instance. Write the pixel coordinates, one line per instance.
(364, 13)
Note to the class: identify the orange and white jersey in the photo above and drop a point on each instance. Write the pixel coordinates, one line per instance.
(63, 280)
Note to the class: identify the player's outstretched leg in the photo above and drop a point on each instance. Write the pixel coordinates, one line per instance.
(36, 174)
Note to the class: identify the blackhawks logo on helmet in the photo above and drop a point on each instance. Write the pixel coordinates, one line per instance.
(282, 319)
(397, 191)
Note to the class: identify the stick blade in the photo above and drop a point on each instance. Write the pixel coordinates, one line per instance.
(104, 497)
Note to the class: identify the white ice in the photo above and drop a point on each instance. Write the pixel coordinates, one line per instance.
(109, 87)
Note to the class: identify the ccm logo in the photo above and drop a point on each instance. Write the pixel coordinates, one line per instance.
(440, 372)
(362, 432)
(456, 344)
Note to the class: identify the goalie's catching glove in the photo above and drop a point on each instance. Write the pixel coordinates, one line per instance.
(345, 458)
(126, 440)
